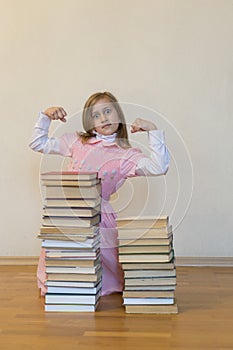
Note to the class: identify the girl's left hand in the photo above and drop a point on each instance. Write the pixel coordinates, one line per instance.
(142, 125)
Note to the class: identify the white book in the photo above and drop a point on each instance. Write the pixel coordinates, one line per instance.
(77, 269)
(72, 299)
(71, 253)
(70, 308)
(88, 243)
(148, 301)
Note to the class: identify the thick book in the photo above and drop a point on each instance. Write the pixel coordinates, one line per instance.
(72, 262)
(143, 258)
(144, 233)
(68, 221)
(71, 212)
(81, 183)
(73, 290)
(81, 254)
(145, 241)
(143, 222)
(150, 281)
(81, 277)
(68, 175)
(72, 284)
(152, 309)
(88, 243)
(144, 249)
(148, 301)
(75, 238)
(148, 294)
(73, 270)
(149, 266)
(73, 192)
(64, 230)
(72, 299)
(150, 288)
(72, 203)
(149, 273)
(70, 308)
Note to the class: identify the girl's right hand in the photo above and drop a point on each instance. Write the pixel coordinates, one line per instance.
(55, 113)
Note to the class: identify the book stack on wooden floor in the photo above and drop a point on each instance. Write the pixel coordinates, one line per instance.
(71, 239)
(147, 257)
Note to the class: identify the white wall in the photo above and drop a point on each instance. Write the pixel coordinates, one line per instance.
(173, 57)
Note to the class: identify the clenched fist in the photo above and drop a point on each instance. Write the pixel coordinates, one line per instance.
(142, 125)
(56, 113)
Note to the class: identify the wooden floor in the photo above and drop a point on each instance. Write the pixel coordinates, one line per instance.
(205, 319)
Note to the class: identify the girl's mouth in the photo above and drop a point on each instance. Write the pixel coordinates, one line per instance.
(105, 126)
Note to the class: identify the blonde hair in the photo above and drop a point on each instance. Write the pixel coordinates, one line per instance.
(87, 120)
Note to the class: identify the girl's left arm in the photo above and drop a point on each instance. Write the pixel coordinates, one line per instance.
(158, 162)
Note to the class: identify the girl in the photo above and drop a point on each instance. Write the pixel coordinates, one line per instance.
(104, 148)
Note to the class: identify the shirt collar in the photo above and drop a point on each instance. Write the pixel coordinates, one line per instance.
(109, 140)
(106, 138)
(93, 140)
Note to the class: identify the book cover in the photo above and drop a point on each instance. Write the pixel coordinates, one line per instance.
(72, 299)
(80, 277)
(70, 308)
(72, 202)
(72, 262)
(145, 241)
(88, 243)
(144, 249)
(149, 273)
(69, 221)
(152, 309)
(150, 281)
(144, 233)
(68, 175)
(64, 230)
(71, 212)
(73, 183)
(148, 301)
(74, 290)
(142, 258)
(143, 222)
(73, 192)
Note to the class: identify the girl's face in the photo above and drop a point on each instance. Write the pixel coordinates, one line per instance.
(105, 117)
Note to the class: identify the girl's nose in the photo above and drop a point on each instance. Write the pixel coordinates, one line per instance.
(103, 117)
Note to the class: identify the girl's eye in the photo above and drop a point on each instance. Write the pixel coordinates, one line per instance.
(95, 116)
(107, 111)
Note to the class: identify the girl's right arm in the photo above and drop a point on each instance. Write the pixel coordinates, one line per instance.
(41, 142)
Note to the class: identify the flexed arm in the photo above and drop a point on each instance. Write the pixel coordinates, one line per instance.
(41, 142)
(158, 162)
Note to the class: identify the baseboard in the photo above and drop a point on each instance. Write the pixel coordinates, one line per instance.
(204, 261)
(180, 261)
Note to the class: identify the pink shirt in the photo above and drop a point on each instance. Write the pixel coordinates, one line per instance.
(112, 163)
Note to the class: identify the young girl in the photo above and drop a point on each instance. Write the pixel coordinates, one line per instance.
(104, 148)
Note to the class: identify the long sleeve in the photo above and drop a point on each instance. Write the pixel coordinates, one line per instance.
(158, 162)
(41, 142)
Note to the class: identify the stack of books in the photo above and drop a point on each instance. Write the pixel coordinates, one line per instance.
(71, 239)
(147, 257)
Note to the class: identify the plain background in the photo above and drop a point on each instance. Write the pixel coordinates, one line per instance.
(168, 61)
